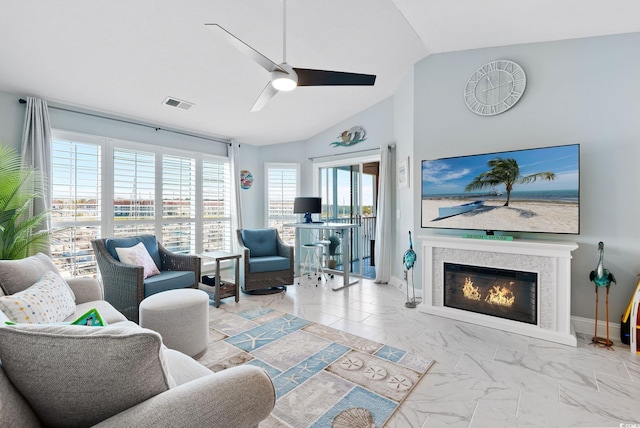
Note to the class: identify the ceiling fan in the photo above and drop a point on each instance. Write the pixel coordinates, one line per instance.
(285, 77)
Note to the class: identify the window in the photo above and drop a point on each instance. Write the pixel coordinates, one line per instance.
(282, 188)
(133, 192)
(216, 206)
(152, 189)
(76, 202)
(178, 204)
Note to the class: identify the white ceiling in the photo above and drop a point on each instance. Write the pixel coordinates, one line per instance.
(125, 57)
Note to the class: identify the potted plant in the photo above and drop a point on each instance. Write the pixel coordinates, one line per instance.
(334, 243)
(20, 236)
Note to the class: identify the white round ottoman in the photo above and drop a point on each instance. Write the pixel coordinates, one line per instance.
(181, 317)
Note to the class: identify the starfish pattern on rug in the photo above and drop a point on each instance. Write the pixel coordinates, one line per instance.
(321, 375)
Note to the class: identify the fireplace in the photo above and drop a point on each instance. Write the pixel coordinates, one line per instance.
(541, 289)
(503, 293)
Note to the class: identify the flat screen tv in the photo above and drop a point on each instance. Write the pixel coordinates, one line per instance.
(533, 190)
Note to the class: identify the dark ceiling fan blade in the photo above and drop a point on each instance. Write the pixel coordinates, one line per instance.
(309, 77)
(265, 62)
(267, 93)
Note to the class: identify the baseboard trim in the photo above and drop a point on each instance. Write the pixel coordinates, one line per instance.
(586, 326)
(397, 282)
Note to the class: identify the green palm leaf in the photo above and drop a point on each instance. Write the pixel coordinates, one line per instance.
(505, 172)
(19, 234)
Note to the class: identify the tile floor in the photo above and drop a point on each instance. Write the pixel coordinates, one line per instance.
(482, 377)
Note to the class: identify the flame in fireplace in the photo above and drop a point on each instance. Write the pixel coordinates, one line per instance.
(469, 291)
(500, 296)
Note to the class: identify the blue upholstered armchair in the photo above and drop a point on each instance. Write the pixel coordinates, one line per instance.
(268, 261)
(125, 285)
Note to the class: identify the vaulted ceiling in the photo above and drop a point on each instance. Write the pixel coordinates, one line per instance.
(126, 57)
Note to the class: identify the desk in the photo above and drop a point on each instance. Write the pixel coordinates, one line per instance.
(219, 256)
(346, 245)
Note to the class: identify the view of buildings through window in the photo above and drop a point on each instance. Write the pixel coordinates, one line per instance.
(154, 190)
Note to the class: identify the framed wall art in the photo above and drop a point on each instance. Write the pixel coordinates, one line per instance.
(402, 173)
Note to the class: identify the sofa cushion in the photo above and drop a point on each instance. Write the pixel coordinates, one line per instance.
(168, 280)
(79, 376)
(17, 275)
(139, 256)
(48, 300)
(268, 264)
(261, 242)
(149, 241)
(14, 410)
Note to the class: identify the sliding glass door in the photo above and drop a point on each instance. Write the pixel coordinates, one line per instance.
(349, 193)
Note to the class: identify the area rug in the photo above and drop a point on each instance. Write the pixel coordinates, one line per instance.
(323, 377)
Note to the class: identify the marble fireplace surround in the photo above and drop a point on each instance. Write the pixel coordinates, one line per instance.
(551, 260)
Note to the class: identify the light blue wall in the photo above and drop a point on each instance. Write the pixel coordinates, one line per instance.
(376, 120)
(11, 120)
(578, 91)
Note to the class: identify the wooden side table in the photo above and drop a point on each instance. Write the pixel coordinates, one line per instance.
(225, 289)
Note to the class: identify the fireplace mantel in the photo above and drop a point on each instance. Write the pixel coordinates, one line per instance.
(551, 260)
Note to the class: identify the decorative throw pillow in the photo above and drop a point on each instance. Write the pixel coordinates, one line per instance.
(17, 275)
(139, 256)
(46, 301)
(77, 376)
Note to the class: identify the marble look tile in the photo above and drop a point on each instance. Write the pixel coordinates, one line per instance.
(633, 370)
(536, 411)
(618, 387)
(582, 358)
(489, 335)
(536, 366)
(602, 404)
(514, 377)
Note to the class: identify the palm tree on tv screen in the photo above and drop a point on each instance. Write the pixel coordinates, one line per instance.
(507, 172)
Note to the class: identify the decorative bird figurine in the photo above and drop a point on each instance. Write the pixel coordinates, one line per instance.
(409, 259)
(601, 277)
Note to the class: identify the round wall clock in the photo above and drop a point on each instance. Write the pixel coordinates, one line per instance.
(495, 87)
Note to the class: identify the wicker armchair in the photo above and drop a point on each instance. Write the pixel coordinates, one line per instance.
(125, 285)
(268, 261)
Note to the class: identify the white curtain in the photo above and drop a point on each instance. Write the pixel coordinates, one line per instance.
(236, 200)
(383, 221)
(36, 149)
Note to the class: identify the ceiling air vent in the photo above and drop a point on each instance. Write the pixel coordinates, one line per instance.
(174, 102)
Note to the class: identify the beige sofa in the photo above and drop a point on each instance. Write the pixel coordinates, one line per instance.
(113, 376)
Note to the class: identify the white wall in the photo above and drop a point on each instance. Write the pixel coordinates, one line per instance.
(578, 91)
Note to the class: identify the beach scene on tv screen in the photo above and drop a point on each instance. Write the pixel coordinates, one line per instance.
(534, 190)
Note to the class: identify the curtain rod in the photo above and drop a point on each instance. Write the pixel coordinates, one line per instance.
(390, 147)
(157, 128)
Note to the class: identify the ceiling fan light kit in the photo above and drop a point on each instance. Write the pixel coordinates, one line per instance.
(284, 81)
(287, 78)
